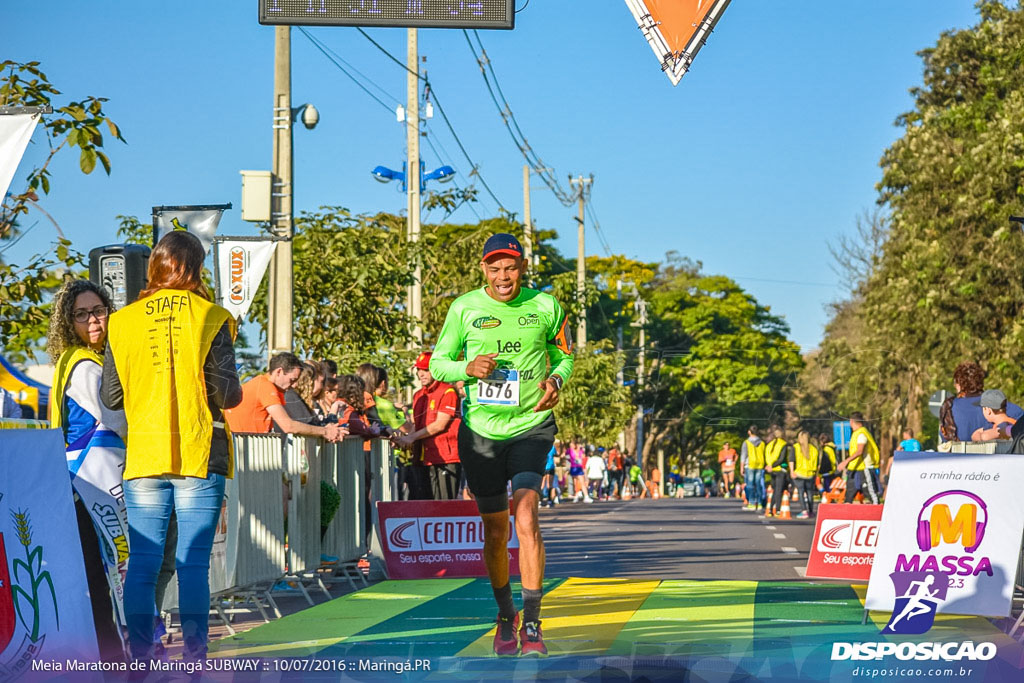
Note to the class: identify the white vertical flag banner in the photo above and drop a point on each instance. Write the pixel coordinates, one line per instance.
(240, 268)
(15, 132)
(201, 221)
(45, 613)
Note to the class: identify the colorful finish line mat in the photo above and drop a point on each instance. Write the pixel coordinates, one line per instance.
(621, 630)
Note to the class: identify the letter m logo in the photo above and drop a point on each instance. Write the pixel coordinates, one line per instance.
(948, 529)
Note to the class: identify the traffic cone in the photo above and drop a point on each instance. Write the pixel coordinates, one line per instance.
(784, 510)
(626, 491)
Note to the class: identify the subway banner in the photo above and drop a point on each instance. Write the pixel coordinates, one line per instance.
(844, 542)
(45, 613)
(950, 538)
(427, 539)
(241, 264)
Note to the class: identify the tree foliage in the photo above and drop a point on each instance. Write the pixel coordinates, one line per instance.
(25, 290)
(943, 286)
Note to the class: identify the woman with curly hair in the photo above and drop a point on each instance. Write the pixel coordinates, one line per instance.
(94, 436)
(170, 363)
(961, 415)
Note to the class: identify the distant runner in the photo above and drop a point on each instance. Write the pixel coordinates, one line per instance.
(508, 335)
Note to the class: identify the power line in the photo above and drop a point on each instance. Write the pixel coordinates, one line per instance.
(512, 125)
(444, 115)
(589, 205)
(335, 60)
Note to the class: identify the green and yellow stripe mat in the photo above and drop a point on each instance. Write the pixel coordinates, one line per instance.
(622, 628)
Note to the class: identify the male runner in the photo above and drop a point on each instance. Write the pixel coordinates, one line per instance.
(507, 335)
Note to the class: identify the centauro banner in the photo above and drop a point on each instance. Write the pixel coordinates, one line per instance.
(45, 612)
(201, 221)
(241, 264)
(15, 132)
(950, 535)
(676, 29)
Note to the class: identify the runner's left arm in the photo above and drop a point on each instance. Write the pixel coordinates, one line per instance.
(560, 346)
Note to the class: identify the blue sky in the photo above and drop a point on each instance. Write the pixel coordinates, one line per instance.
(766, 151)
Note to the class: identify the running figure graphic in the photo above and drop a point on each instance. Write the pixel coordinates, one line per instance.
(915, 605)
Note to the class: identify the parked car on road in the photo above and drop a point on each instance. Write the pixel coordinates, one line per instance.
(693, 487)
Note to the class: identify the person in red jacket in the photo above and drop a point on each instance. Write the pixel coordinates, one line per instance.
(434, 439)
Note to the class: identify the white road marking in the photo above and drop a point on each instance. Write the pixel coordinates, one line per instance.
(771, 528)
(779, 536)
(789, 550)
(801, 571)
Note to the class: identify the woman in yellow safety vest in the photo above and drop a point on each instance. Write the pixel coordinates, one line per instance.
(806, 457)
(777, 464)
(170, 363)
(94, 437)
(862, 463)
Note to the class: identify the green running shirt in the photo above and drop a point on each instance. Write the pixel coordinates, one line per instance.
(527, 333)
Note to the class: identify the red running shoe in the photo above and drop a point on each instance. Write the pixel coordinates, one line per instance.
(532, 640)
(505, 643)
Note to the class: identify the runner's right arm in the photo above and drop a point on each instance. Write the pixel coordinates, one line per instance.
(444, 363)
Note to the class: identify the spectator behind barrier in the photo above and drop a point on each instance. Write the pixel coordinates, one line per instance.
(436, 472)
(263, 403)
(960, 416)
(173, 349)
(993, 406)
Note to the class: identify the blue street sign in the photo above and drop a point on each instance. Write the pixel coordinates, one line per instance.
(841, 433)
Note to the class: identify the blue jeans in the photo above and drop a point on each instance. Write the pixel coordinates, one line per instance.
(760, 494)
(197, 503)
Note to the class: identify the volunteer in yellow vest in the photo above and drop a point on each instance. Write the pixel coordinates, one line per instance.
(752, 457)
(827, 466)
(806, 458)
(777, 455)
(94, 437)
(170, 363)
(862, 463)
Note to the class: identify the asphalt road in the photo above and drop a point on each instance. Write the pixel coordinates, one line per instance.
(673, 538)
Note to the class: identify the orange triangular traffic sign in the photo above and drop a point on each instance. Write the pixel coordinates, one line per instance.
(676, 29)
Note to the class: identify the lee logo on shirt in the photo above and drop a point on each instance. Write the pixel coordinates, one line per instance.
(486, 322)
(509, 347)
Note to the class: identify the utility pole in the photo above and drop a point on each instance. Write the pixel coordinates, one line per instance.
(279, 314)
(528, 223)
(581, 260)
(619, 378)
(641, 308)
(412, 180)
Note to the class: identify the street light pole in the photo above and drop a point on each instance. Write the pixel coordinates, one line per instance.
(279, 314)
(412, 179)
(641, 308)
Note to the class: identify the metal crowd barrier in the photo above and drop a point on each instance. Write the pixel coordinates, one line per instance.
(257, 546)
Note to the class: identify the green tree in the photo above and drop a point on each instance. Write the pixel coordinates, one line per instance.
(593, 404)
(719, 360)
(25, 290)
(941, 287)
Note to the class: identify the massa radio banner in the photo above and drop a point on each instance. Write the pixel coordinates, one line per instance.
(951, 531)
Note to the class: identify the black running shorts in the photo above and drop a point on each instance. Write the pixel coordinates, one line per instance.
(490, 464)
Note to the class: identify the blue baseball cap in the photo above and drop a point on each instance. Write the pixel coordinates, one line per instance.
(504, 244)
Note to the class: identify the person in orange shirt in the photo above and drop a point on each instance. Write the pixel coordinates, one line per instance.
(263, 403)
(727, 460)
